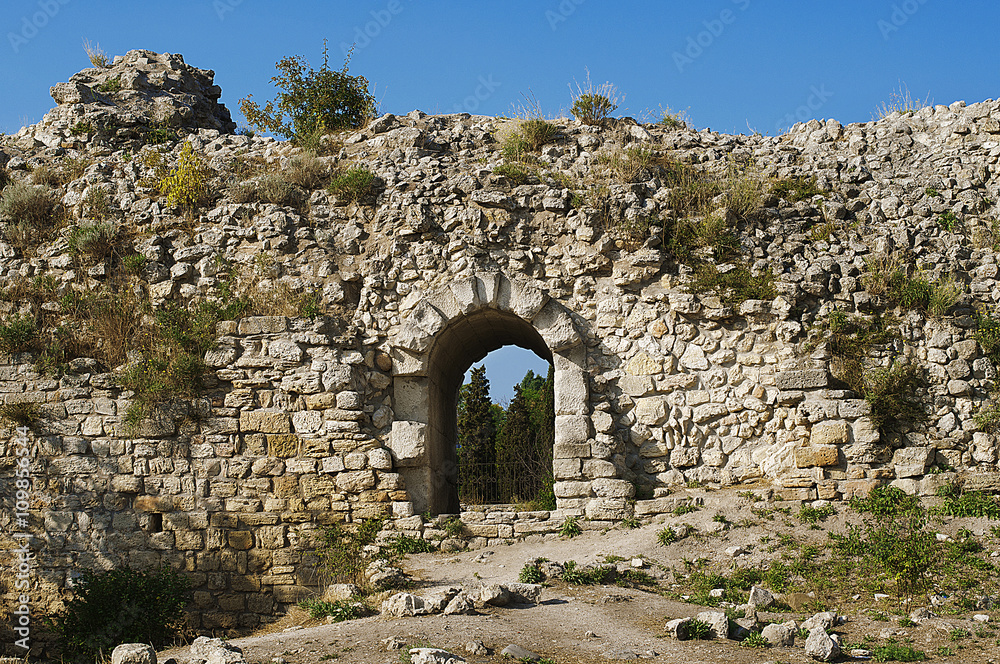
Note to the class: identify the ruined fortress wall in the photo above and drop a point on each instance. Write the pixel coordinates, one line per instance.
(307, 422)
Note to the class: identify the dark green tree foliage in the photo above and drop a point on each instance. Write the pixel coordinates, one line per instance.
(476, 436)
(120, 606)
(521, 467)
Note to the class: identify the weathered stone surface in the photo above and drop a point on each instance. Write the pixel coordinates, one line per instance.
(404, 604)
(912, 461)
(801, 380)
(780, 634)
(822, 646)
(717, 622)
(133, 653)
(406, 442)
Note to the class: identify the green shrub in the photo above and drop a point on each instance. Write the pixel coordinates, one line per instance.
(796, 189)
(631, 523)
(275, 189)
(944, 295)
(134, 264)
(684, 508)
(666, 536)
(886, 501)
(81, 128)
(340, 552)
(34, 206)
(120, 606)
(948, 221)
(537, 132)
(158, 134)
(186, 185)
(94, 239)
(340, 610)
(96, 55)
(592, 105)
(454, 527)
(353, 185)
(306, 171)
(531, 573)
(514, 172)
(988, 336)
(405, 545)
(960, 503)
(755, 640)
(733, 286)
(570, 527)
(17, 334)
(633, 164)
(895, 652)
(810, 514)
(312, 100)
(586, 576)
(699, 629)
(97, 203)
(110, 86)
(21, 413)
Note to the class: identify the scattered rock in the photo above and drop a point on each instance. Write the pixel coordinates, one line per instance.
(433, 656)
(717, 622)
(524, 593)
(678, 628)
(133, 653)
(476, 648)
(780, 634)
(517, 652)
(760, 598)
(405, 604)
(216, 651)
(822, 646)
(393, 643)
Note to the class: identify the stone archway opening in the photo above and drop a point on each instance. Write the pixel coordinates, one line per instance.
(438, 337)
(455, 349)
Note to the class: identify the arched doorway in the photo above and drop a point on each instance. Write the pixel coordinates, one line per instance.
(438, 338)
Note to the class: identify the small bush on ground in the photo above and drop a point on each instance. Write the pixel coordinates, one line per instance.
(306, 171)
(312, 101)
(960, 503)
(796, 189)
(900, 101)
(531, 573)
(339, 611)
(570, 527)
(30, 211)
(120, 606)
(886, 501)
(96, 55)
(93, 239)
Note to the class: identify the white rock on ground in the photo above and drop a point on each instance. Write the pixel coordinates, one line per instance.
(133, 653)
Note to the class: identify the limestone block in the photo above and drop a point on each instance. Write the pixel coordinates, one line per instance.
(717, 622)
(593, 468)
(133, 653)
(643, 365)
(709, 411)
(571, 394)
(410, 337)
(828, 433)
(865, 431)
(571, 489)
(912, 461)
(653, 449)
(572, 429)
(680, 381)
(411, 398)
(801, 380)
(356, 481)
(285, 350)
(603, 422)
(307, 421)
(488, 288)
(126, 484)
(636, 386)
(407, 443)
(241, 540)
(822, 646)
(556, 328)
(314, 486)
(816, 455)
(520, 299)
(610, 488)
(263, 325)
(380, 459)
(780, 634)
(264, 422)
(566, 469)
(694, 358)
(404, 604)
(652, 411)
(466, 294)
(406, 362)
(684, 457)
(282, 445)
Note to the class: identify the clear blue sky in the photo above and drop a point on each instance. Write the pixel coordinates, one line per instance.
(729, 64)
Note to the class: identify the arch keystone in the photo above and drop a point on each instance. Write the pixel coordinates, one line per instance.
(520, 299)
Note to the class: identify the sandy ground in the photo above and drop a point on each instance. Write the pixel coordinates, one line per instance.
(590, 624)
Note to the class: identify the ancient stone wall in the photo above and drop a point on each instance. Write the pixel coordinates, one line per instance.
(349, 415)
